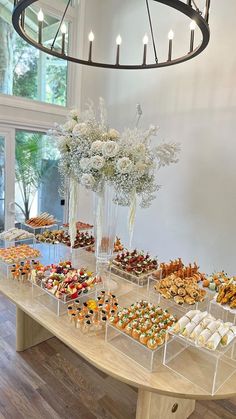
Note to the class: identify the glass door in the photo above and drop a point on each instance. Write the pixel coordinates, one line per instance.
(7, 179)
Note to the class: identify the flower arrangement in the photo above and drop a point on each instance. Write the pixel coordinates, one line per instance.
(92, 154)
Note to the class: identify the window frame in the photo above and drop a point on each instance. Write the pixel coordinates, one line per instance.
(74, 72)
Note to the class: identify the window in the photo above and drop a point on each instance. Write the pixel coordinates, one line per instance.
(37, 177)
(2, 181)
(25, 71)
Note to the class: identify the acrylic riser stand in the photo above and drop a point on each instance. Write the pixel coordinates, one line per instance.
(133, 349)
(30, 241)
(221, 312)
(207, 369)
(140, 280)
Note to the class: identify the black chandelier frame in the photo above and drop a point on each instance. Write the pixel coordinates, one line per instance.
(188, 8)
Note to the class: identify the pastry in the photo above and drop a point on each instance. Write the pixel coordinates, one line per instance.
(12, 255)
(182, 290)
(152, 343)
(205, 330)
(150, 323)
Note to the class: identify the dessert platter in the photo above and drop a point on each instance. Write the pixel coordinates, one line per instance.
(43, 220)
(64, 282)
(134, 266)
(91, 315)
(82, 240)
(15, 254)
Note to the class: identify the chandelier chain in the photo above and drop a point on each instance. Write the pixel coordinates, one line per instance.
(61, 21)
(152, 33)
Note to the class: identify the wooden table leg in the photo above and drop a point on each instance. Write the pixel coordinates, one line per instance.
(155, 406)
(28, 332)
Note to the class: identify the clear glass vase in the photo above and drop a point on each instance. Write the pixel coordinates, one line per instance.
(105, 222)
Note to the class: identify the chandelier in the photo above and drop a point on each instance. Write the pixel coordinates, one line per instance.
(188, 8)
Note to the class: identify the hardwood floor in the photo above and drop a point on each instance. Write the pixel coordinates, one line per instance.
(50, 382)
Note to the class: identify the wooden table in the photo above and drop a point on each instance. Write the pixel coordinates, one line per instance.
(161, 395)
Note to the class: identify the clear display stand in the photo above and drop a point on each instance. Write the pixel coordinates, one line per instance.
(222, 312)
(6, 268)
(140, 280)
(180, 310)
(133, 349)
(30, 241)
(207, 369)
(39, 230)
(59, 306)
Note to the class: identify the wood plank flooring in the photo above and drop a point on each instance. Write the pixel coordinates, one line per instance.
(49, 381)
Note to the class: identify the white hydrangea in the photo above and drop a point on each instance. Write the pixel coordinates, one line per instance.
(113, 134)
(80, 129)
(140, 149)
(85, 163)
(69, 125)
(97, 162)
(140, 168)
(124, 165)
(87, 181)
(96, 147)
(110, 149)
(74, 114)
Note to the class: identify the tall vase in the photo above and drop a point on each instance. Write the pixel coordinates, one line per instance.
(105, 212)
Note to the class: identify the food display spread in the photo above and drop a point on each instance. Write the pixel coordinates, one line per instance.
(134, 264)
(15, 254)
(15, 234)
(144, 322)
(83, 239)
(43, 220)
(65, 282)
(181, 289)
(204, 330)
(92, 315)
(227, 295)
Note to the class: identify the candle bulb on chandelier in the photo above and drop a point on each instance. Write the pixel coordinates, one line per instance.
(145, 42)
(192, 28)
(91, 39)
(40, 23)
(63, 38)
(118, 43)
(170, 37)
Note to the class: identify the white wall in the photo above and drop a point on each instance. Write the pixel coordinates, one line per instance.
(194, 215)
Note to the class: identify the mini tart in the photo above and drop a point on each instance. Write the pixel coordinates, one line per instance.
(120, 324)
(134, 323)
(128, 329)
(113, 319)
(136, 334)
(160, 339)
(125, 319)
(143, 338)
(152, 343)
